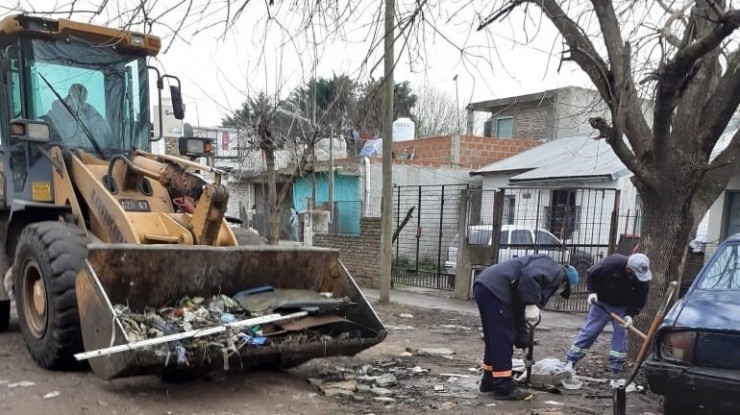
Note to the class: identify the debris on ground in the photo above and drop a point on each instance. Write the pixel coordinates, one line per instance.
(406, 315)
(21, 384)
(52, 395)
(441, 351)
(454, 327)
(392, 327)
(397, 381)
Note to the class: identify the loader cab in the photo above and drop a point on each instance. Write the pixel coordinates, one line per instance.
(89, 84)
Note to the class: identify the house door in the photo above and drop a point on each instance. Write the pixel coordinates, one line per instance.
(562, 213)
(732, 219)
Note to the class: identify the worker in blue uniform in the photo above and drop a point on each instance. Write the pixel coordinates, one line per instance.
(509, 295)
(620, 285)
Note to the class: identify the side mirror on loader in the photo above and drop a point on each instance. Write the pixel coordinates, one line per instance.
(34, 131)
(178, 109)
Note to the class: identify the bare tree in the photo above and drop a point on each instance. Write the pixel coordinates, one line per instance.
(685, 61)
(436, 113)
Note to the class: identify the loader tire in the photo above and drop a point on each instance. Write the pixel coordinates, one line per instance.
(48, 257)
(4, 315)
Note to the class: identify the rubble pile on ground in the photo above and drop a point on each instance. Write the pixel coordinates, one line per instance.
(394, 382)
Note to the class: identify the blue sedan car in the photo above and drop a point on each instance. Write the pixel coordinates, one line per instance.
(695, 360)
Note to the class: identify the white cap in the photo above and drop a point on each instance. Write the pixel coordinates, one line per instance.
(640, 265)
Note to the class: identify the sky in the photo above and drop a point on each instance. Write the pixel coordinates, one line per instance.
(220, 67)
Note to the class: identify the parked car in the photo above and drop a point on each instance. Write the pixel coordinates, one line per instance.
(695, 358)
(518, 241)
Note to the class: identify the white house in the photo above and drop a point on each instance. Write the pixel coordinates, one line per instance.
(723, 219)
(569, 186)
(574, 181)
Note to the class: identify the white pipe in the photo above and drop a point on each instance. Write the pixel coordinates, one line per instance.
(271, 318)
(366, 181)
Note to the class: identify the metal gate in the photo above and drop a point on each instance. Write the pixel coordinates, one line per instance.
(576, 226)
(426, 222)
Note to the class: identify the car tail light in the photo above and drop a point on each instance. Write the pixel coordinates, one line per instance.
(678, 347)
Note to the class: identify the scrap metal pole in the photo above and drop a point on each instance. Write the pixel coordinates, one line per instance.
(387, 208)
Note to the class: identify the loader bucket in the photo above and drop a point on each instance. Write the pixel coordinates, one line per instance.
(152, 277)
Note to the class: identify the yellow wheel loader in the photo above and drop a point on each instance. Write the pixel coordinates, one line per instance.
(103, 267)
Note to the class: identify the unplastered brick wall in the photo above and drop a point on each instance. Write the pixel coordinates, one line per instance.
(360, 254)
(476, 152)
(466, 151)
(171, 146)
(430, 151)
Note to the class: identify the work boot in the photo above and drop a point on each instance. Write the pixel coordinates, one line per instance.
(515, 395)
(486, 382)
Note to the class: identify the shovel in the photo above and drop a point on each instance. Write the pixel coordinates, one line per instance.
(619, 398)
(620, 320)
(530, 351)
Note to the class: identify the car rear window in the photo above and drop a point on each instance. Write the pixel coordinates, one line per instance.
(479, 236)
(723, 272)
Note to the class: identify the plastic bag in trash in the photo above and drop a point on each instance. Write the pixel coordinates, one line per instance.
(551, 370)
(549, 366)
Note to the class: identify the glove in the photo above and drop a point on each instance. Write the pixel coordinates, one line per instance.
(531, 313)
(593, 298)
(627, 322)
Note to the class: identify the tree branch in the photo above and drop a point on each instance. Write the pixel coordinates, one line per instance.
(714, 176)
(616, 141)
(679, 70)
(582, 49)
(719, 108)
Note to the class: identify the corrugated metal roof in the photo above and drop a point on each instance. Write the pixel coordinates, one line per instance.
(576, 156)
(573, 157)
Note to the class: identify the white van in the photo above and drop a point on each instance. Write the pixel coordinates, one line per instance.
(515, 241)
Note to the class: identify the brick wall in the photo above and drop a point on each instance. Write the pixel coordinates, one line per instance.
(476, 152)
(171, 146)
(532, 120)
(535, 120)
(472, 152)
(430, 151)
(360, 254)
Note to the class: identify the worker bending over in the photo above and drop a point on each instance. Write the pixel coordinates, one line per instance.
(508, 294)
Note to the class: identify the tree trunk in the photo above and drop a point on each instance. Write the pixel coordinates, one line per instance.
(666, 230)
(273, 223)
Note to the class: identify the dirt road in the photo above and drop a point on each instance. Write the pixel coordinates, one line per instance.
(420, 384)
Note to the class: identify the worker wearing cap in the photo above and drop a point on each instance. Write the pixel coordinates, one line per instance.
(620, 284)
(507, 294)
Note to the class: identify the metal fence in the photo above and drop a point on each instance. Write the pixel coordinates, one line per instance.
(574, 226)
(426, 222)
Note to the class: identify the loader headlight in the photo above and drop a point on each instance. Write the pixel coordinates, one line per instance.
(195, 146)
(137, 40)
(30, 130)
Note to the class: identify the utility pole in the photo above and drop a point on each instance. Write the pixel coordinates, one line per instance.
(386, 231)
(457, 105)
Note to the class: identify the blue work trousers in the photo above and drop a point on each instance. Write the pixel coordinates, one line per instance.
(497, 320)
(595, 323)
